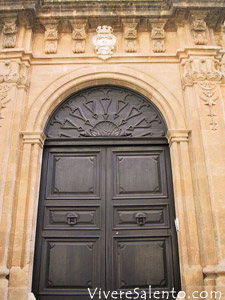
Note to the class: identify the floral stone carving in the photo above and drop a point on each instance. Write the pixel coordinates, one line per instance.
(103, 112)
(104, 42)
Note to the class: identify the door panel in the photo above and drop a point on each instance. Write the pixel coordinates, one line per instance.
(140, 218)
(106, 220)
(142, 261)
(139, 174)
(62, 264)
(70, 241)
(82, 172)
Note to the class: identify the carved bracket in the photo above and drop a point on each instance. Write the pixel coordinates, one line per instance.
(200, 69)
(130, 36)
(158, 36)
(198, 27)
(9, 33)
(104, 42)
(79, 36)
(51, 37)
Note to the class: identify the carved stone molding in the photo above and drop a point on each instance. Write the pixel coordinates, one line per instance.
(104, 42)
(51, 37)
(9, 33)
(198, 27)
(33, 137)
(200, 69)
(130, 36)
(3, 272)
(177, 135)
(79, 36)
(4, 97)
(105, 111)
(158, 36)
(208, 92)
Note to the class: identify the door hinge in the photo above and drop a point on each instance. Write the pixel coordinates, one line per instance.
(177, 224)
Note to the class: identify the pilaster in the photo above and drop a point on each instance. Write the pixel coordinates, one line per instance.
(24, 233)
(191, 272)
(203, 74)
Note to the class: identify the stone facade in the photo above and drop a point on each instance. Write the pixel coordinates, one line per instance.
(171, 51)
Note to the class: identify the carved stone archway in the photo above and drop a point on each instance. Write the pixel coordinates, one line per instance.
(178, 136)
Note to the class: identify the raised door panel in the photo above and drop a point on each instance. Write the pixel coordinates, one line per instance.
(72, 217)
(73, 175)
(139, 174)
(70, 265)
(154, 217)
(143, 261)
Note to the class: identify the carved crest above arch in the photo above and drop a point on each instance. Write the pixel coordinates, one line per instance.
(106, 111)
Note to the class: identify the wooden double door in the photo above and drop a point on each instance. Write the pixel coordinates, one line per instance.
(105, 221)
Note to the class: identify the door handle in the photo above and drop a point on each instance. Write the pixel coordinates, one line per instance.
(72, 219)
(140, 218)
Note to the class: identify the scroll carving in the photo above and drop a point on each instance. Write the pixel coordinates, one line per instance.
(51, 37)
(130, 36)
(9, 33)
(158, 37)
(103, 112)
(79, 37)
(198, 27)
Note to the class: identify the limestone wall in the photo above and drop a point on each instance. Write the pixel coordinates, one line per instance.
(170, 51)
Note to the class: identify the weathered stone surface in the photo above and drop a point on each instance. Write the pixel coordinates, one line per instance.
(169, 51)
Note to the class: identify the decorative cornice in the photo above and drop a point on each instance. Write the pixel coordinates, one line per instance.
(177, 135)
(33, 137)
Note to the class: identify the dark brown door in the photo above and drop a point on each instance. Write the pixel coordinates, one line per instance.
(106, 221)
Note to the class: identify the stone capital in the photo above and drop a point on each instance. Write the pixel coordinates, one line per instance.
(33, 137)
(177, 135)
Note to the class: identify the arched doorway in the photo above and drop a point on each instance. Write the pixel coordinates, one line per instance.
(106, 210)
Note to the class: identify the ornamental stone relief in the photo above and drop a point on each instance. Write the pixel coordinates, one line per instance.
(130, 36)
(207, 73)
(11, 73)
(105, 111)
(200, 69)
(9, 33)
(209, 94)
(158, 36)
(79, 37)
(51, 37)
(104, 42)
(198, 27)
(4, 98)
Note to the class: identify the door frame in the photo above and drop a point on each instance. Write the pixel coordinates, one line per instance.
(125, 142)
(32, 141)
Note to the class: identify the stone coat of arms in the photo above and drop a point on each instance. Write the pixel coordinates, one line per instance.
(104, 42)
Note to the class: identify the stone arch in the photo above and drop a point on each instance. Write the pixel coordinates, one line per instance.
(86, 77)
(178, 136)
